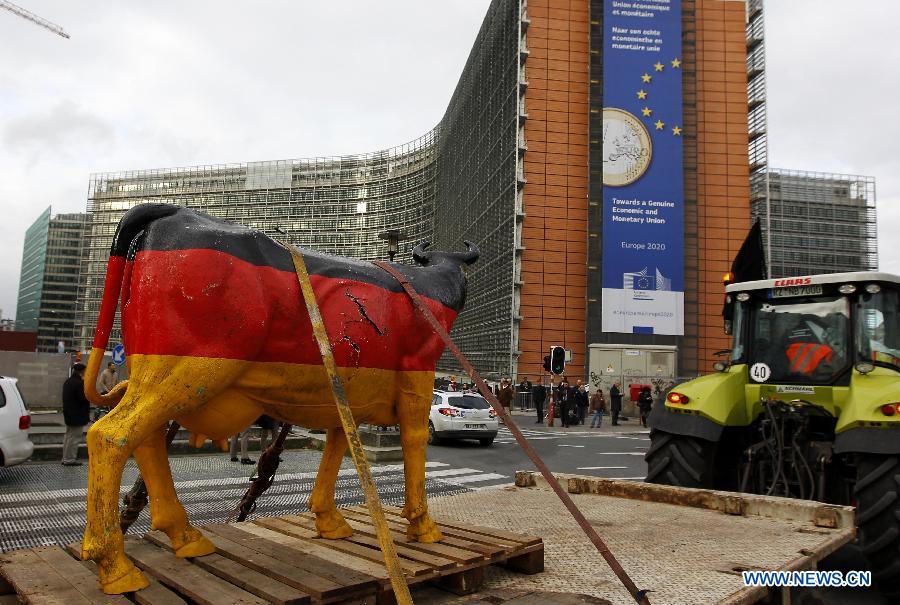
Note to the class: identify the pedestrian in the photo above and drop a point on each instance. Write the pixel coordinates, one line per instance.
(108, 378)
(538, 395)
(76, 414)
(525, 389)
(563, 395)
(598, 407)
(453, 387)
(505, 395)
(581, 400)
(553, 408)
(268, 431)
(615, 403)
(645, 404)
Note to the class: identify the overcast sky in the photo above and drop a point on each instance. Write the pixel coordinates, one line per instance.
(173, 83)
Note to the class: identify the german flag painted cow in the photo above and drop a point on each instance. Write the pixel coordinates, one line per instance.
(217, 333)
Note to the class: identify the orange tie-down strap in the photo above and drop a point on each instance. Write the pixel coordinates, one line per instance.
(391, 560)
(639, 595)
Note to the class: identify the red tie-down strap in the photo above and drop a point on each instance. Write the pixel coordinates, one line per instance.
(640, 596)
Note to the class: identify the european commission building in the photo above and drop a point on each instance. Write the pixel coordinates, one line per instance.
(568, 113)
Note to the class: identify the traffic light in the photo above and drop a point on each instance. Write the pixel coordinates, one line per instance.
(557, 360)
(547, 363)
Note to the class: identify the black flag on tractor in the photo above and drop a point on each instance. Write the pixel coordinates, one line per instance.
(750, 262)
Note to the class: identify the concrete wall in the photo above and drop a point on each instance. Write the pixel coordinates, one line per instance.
(41, 376)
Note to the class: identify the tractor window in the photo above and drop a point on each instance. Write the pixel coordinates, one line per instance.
(801, 340)
(739, 331)
(879, 328)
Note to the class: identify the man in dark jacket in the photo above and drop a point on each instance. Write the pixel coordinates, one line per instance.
(525, 393)
(581, 400)
(538, 395)
(615, 403)
(564, 397)
(76, 414)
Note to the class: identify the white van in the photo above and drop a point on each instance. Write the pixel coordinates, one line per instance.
(15, 446)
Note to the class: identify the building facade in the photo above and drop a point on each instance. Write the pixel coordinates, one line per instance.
(815, 222)
(516, 166)
(48, 282)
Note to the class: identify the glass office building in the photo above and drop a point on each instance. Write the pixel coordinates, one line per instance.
(816, 222)
(48, 282)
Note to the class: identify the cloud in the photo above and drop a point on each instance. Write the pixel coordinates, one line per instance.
(57, 129)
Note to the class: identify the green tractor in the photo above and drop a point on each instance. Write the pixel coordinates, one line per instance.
(806, 404)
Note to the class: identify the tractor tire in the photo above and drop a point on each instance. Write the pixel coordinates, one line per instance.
(877, 494)
(680, 460)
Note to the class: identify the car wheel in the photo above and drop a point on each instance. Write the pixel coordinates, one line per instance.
(487, 441)
(433, 439)
(680, 460)
(877, 493)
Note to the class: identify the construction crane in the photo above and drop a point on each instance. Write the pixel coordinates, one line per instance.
(18, 10)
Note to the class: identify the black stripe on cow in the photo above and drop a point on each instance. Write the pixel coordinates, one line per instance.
(165, 227)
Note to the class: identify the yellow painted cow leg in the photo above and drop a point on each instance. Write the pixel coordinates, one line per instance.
(160, 388)
(166, 512)
(412, 409)
(329, 522)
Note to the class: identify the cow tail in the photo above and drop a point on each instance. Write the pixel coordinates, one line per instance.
(132, 224)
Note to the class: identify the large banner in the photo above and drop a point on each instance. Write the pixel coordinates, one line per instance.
(643, 187)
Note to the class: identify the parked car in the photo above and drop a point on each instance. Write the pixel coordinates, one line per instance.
(15, 446)
(461, 416)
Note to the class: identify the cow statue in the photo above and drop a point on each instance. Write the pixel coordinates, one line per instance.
(217, 334)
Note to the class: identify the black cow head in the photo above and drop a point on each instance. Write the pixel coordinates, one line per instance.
(433, 257)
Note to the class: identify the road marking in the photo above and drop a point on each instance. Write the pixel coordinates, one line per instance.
(621, 453)
(475, 478)
(567, 445)
(600, 468)
(448, 472)
(479, 488)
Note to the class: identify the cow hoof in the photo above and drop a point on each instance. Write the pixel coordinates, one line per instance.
(425, 531)
(132, 580)
(332, 526)
(196, 548)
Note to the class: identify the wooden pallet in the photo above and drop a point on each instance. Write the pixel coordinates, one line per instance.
(275, 560)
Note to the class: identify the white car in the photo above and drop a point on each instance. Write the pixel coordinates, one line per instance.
(15, 446)
(461, 416)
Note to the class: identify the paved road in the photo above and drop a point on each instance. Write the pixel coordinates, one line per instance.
(578, 450)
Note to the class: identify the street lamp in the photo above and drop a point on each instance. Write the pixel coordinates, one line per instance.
(393, 237)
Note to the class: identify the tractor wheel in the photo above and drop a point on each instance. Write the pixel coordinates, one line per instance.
(877, 494)
(680, 460)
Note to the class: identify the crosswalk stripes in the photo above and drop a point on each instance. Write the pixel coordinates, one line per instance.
(57, 516)
(505, 436)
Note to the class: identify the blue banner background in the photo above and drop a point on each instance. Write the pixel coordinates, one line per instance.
(639, 36)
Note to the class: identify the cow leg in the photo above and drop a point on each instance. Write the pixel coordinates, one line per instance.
(166, 512)
(157, 392)
(413, 407)
(329, 522)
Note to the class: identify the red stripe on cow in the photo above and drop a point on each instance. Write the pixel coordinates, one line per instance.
(208, 303)
(114, 271)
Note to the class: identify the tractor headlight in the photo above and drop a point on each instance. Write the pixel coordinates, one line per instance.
(864, 367)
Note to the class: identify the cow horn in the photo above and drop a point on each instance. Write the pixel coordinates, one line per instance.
(471, 254)
(420, 255)
(468, 257)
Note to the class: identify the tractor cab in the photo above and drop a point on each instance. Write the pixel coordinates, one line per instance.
(814, 330)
